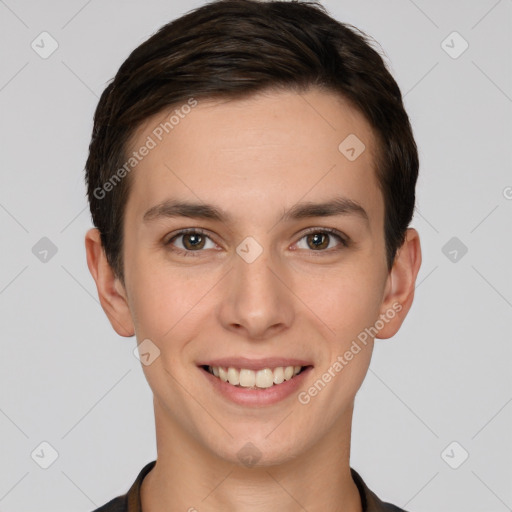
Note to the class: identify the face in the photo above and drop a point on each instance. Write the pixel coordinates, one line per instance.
(253, 242)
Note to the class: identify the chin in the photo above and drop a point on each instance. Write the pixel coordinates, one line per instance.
(258, 450)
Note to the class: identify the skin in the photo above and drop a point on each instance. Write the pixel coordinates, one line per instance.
(254, 159)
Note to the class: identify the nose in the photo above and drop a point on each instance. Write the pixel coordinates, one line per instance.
(256, 301)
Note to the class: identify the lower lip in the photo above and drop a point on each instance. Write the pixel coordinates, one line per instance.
(257, 397)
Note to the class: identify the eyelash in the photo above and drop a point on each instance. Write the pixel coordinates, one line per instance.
(182, 232)
(344, 240)
(330, 231)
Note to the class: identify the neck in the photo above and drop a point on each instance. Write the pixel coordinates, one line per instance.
(190, 477)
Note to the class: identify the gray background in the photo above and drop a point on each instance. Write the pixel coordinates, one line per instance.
(67, 379)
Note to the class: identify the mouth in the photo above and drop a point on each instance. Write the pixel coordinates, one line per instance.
(263, 378)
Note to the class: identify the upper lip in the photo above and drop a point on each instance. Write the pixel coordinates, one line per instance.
(255, 364)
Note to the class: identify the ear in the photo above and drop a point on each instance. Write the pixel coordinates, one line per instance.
(111, 291)
(400, 285)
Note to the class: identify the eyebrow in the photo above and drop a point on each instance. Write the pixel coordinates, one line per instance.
(337, 206)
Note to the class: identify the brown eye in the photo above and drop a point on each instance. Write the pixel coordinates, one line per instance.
(318, 241)
(321, 239)
(190, 241)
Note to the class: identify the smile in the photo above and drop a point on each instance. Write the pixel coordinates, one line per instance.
(255, 379)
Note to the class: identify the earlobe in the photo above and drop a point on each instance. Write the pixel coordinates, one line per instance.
(401, 283)
(110, 290)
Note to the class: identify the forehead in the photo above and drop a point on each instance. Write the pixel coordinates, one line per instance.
(276, 147)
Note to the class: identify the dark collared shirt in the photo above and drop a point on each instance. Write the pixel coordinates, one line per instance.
(130, 502)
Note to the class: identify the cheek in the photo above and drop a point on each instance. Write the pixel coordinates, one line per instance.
(346, 300)
(166, 301)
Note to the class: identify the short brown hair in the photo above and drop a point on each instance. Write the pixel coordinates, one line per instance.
(233, 49)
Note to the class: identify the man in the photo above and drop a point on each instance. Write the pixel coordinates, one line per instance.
(251, 178)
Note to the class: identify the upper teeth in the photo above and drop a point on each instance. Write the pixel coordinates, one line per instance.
(249, 378)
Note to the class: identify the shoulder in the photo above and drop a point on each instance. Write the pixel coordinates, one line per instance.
(388, 507)
(129, 502)
(118, 504)
(370, 501)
